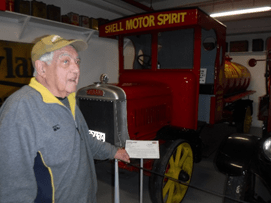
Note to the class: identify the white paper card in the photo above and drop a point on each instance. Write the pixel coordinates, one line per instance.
(203, 73)
(140, 149)
(99, 135)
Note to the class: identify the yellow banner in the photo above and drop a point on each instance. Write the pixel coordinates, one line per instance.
(16, 68)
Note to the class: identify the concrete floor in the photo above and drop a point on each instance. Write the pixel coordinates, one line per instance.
(205, 177)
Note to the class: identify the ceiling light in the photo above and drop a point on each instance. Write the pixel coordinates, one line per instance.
(243, 11)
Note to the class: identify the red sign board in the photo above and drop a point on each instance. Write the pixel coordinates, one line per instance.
(150, 21)
(95, 92)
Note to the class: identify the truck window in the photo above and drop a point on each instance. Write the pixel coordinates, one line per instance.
(137, 52)
(209, 43)
(128, 53)
(208, 55)
(176, 49)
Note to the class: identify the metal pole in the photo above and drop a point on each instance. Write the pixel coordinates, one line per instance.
(117, 195)
(141, 181)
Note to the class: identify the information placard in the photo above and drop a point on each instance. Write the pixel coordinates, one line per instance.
(140, 149)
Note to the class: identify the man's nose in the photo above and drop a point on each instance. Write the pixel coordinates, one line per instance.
(75, 67)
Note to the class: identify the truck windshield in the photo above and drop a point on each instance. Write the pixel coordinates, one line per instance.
(175, 50)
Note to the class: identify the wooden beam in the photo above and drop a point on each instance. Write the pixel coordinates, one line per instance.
(138, 5)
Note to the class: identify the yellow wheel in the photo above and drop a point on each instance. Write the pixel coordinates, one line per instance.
(247, 120)
(177, 163)
(244, 125)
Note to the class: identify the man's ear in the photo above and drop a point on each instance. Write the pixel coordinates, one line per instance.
(40, 68)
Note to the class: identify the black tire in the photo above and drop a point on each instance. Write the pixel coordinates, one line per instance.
(175, 161)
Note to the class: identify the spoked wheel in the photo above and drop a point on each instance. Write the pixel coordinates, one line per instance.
(245, 124)
(176, 162)
(247, 120)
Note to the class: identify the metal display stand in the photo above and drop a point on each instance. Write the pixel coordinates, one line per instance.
(117, 193)
(138, 149)
(116, 198)
(141, 181)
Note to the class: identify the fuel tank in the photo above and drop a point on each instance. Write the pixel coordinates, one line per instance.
(237, 77)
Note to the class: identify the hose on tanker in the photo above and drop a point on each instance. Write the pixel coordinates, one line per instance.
(183, 183)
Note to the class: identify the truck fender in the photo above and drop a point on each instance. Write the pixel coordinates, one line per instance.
(171, 133)
(236, 153)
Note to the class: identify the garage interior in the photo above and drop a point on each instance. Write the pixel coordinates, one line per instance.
(207, 181)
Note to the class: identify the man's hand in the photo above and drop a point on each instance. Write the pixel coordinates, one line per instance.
(122, 155)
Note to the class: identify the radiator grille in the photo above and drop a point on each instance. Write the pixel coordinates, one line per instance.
(150, 115)
(99, 116)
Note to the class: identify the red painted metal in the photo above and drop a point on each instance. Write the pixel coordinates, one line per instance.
(193, 103)
(212, 111)
(176, 19)
(146, 116)
(268, 65)
(182, 84)
(2, 5)
(217, 103)
(264, 113)
(7, 5)
(238, 96)
(121, 58)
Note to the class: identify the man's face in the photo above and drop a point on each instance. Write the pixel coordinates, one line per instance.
(62, 74)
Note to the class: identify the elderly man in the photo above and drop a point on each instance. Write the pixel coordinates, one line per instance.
(46, 153)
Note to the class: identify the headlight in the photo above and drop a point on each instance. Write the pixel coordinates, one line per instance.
(267, 148)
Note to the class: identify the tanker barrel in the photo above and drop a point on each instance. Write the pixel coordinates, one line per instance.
(237, 77)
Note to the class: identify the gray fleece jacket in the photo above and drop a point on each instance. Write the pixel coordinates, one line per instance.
(46, 153)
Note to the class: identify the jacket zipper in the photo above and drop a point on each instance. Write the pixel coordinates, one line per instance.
(76, 127)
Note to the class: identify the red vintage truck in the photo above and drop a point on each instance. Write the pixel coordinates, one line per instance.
(172, 78)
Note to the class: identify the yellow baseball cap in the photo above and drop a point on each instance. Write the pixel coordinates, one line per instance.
(54, 42)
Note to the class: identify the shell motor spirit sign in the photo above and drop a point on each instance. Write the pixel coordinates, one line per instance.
(149, 21)
(16, 67)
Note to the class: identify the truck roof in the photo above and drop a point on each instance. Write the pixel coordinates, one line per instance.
(159, 21)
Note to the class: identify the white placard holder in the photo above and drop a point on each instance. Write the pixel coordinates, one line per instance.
(203, 74)
(142, 150)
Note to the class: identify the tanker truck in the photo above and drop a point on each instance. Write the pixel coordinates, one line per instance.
(172, 78)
